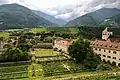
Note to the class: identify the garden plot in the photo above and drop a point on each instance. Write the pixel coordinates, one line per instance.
(45, 52)
(61, 67)
(52, 63)
(52, 58)
(14, 72)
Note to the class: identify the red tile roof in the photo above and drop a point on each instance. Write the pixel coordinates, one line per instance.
(63, 42)
(105, 45)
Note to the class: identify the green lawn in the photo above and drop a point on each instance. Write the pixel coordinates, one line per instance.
(45, 52)
(74, 30)
(59, 29)
(4, 34)
(39, 30)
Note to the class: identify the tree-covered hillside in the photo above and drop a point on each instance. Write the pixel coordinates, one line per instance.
(94, 18)
(116, 18)
(17, 15)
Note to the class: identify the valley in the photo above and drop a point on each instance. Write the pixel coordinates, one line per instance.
(45, 44)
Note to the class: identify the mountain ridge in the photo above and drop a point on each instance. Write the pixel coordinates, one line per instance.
(94, 18)
(49, 17)
(18, 15)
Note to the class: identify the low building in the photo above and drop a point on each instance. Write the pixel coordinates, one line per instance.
(62, 45)
(108, 48)
(44, 45)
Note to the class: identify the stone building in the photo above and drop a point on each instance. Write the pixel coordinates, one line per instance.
(62, 45)
(108, 48)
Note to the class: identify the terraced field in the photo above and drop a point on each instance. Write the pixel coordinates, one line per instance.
(55, 64)
(14, 71)
(45, 52)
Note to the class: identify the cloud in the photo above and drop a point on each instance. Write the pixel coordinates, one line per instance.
(4, 1)
(11, 1)
(71, 12)
(66, 9)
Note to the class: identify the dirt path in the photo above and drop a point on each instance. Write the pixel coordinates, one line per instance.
(81, 75)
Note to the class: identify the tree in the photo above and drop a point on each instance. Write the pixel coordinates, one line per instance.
(14, 54)
(103, 67)
(82, 52)
(91, 61)
(79, 49)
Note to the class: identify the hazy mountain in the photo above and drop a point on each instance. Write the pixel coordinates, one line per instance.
(94, 18)
(50, 18)
(17, 15)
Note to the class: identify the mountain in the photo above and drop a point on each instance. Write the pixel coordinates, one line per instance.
(50, 18)
(17, 15)
(94, 18)
(3, 27)
(116, 18)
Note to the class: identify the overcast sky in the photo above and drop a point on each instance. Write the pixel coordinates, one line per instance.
(66, 9)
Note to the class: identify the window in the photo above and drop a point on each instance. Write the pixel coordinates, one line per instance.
(114, 57)
(104, 55)
(104, 50)
(101, 44)
(106, 45)
(104, 34)
(109, 56)
(99, 49)
(95, 48)
(114, 52)
(116, 46)
(99, 54)
(110, 46)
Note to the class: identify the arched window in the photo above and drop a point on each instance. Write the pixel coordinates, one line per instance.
(119, 64)
(109, 62)
(114, 63)
(104, 61)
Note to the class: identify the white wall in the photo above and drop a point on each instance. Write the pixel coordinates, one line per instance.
(117, 55)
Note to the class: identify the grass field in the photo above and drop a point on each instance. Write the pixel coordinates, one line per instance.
(74, 30)
(59, 29)
(4, 34)
(39, 30)
(45, 52)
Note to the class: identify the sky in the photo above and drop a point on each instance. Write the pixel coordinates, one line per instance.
(66, 9)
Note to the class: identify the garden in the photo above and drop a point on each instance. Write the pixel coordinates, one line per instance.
(55, 64)
(14, 71)
(60, 67)
(45, 52)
